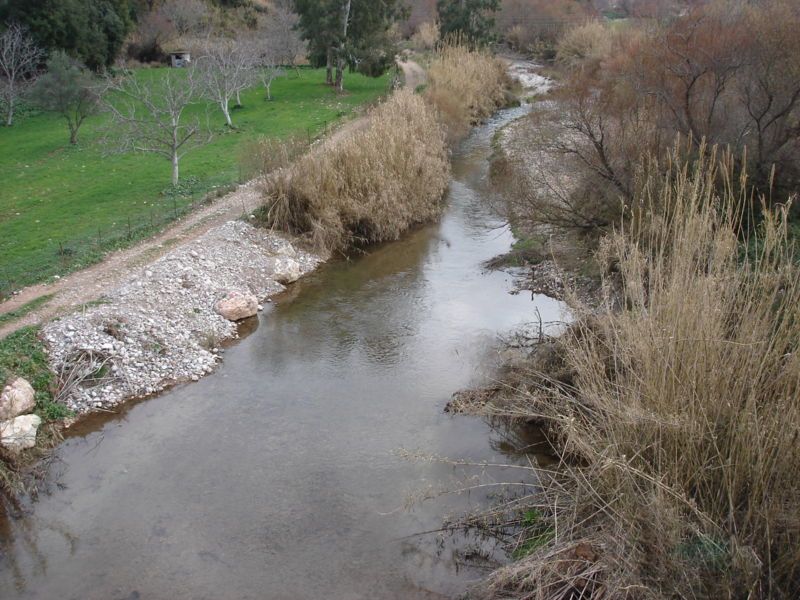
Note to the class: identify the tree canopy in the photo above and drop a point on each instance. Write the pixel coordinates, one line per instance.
(473, 19)
(68, 89)
(92, 31)
(351, 33)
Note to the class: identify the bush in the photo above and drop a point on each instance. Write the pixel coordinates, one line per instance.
(465, 86)
(682, 409)
(585, 45)
(426, 36)
(371, 186)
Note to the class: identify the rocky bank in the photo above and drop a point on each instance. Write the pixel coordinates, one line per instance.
(163, 325)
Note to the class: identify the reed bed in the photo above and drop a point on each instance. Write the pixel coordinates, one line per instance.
(371, 186)
(465, 85)
(678, 418)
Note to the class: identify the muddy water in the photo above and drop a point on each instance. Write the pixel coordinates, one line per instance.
(277, 477)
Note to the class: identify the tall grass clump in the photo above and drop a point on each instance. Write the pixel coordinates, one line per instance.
(371, 186)
(465, 85)
(680, 417)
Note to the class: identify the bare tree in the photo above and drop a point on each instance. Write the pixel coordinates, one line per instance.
(224, 69)
(186, 16)
(274, 45)
(280, 34)
(266, 61)
(19, 61)
(148, 116)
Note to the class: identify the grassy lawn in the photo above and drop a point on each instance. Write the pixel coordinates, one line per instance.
(62, 207)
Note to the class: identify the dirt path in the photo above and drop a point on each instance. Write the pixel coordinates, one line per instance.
(413, 73)
(73, 290)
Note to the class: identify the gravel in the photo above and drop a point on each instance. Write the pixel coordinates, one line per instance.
(159, 327)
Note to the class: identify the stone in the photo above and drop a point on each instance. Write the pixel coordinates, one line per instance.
(19, 433)
(17, 399)
(236, 306)
(285, 270)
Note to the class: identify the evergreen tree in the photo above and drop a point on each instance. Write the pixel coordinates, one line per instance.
(348, 33)
(67, 89)
(91, 31)
(472, 19)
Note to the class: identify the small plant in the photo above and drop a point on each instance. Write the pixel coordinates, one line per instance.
(115, 328)
(536, 533)
(186, 188)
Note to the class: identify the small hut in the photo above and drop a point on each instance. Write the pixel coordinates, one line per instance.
(180, 59)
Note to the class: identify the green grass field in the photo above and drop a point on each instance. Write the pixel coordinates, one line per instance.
(62, 207)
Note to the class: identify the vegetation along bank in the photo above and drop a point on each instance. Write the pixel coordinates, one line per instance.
(667, 220)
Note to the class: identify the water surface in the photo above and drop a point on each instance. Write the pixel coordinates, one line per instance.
(277, 477)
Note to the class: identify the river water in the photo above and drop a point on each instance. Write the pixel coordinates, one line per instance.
(278, 477)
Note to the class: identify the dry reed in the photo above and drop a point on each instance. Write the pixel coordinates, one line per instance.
(465, 85)
(681, 414)
(370, 187)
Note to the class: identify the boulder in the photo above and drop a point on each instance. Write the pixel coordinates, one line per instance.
(237, 306)
(285, 270)
(16, 399)
(20, 432)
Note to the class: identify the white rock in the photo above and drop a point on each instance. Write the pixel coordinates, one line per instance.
(17, 399)
(20, 432)
(285, 270)
(237, 306)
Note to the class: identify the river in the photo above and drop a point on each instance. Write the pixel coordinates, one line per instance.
(278, 477)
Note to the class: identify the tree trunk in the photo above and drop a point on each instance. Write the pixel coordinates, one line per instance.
(340, 62)
(10, 112)
(73, 135)
(238, 98)
(329, 66)
(175, 171)
(340, 73)
(226, 112)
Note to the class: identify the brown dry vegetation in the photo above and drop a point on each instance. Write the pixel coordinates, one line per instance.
(676, 406)
(370, 187)
(385, 178)
(426, 36)
(536, 25)
(465, 86)
(726, 73)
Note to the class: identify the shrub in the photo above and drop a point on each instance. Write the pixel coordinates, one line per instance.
(426, 36)
(682, 408)
(585, 45)
(369, 187)
(465, 86)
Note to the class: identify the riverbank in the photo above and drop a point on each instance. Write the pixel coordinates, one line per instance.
(277, 475)
(670, 402)
(146, 318)
(162, 326)
(530, 174)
